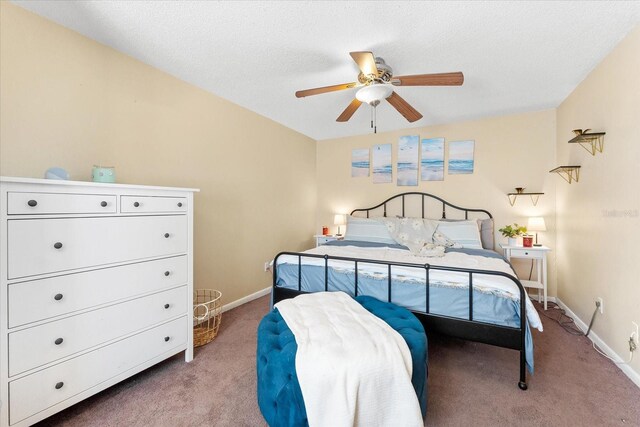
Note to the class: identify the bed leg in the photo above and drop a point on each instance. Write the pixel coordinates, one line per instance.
(523, 373)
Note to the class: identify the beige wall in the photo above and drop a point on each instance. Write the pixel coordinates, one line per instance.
(511, 151)
(599, 217)
(69, 101)
(66, 100)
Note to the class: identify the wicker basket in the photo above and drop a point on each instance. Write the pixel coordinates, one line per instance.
(207, 313)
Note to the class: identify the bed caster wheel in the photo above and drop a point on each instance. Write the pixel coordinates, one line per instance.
(522, 385)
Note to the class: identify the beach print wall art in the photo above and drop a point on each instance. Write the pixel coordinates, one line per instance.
(432, 163)
(408, 155)
(382, 163)
(461, 157)
(360, 162)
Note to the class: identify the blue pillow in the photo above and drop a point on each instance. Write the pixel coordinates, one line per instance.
(367, 230)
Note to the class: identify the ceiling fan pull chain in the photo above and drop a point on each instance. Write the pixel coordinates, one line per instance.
(371, 111)
(375, 119)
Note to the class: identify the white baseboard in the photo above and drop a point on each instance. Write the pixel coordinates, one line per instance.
(246, 299)
(624, 367)
(534, 297)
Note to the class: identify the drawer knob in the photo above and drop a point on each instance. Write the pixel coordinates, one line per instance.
(526, 253)
(136, 204)
(59, 385)
(103, 204)
(166, 273)
(57, 245)
(166, 339)
(166, 306)
(166, 235)
(32, 203)
(58, 341)
(179, 204)
(58, 297)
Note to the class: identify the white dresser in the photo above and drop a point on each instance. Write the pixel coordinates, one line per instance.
(96, 284)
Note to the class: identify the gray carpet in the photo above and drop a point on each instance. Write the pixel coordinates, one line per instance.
(469, 384)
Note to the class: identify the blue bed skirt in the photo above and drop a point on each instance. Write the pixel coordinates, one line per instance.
(279, 395)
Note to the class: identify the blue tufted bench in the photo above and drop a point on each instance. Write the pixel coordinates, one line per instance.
(279, 395)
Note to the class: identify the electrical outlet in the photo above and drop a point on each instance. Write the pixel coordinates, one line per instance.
(636, 333)
(600, 305)
(266, 265)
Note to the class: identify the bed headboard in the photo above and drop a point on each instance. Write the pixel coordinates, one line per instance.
(414, 204)
(405, 197)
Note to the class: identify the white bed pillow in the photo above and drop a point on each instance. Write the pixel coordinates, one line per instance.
(466, 233)
(367, 230)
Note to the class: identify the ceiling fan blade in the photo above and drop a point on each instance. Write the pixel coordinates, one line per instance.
(325, 89)
(366, 62)
(403, 107)
(348, 112)
(442, 79)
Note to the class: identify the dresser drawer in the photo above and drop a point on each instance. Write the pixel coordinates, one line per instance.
(33, 347)
(38, 246)
(45, 298)
(148, 204)
(48, 203)
(526, 253)
(48, 387)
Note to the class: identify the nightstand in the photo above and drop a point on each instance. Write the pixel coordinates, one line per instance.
(537, 254)
(323, 240)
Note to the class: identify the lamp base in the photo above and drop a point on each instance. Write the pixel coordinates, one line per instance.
(536, 243)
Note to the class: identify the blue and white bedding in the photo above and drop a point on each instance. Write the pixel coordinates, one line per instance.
(496, 299)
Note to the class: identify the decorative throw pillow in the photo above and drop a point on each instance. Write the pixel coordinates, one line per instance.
(414, 233)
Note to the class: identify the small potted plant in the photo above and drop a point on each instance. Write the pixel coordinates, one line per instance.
(512, 232)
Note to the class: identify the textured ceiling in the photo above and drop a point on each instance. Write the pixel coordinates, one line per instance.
(516, 56)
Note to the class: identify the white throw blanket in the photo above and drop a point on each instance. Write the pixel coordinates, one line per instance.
(353, 368)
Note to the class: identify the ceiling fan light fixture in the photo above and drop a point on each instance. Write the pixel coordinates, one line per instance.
(375, 92)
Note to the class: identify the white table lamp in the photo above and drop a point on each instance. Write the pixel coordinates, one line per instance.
(339, 219)
(536, 223)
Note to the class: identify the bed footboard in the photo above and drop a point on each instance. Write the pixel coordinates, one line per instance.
(468, 329)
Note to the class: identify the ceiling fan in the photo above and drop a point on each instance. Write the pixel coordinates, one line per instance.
(376, 81)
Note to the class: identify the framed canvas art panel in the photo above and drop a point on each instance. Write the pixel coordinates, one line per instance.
(360, 162)
(461, 157)
(408, 156)
(382, 167)
(432, 159)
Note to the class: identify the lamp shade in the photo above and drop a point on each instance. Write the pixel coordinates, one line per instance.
(536, 223)
(374, 92)
(339, 219)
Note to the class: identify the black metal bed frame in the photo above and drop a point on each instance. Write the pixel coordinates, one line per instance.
(468, 329)
(424, 196)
